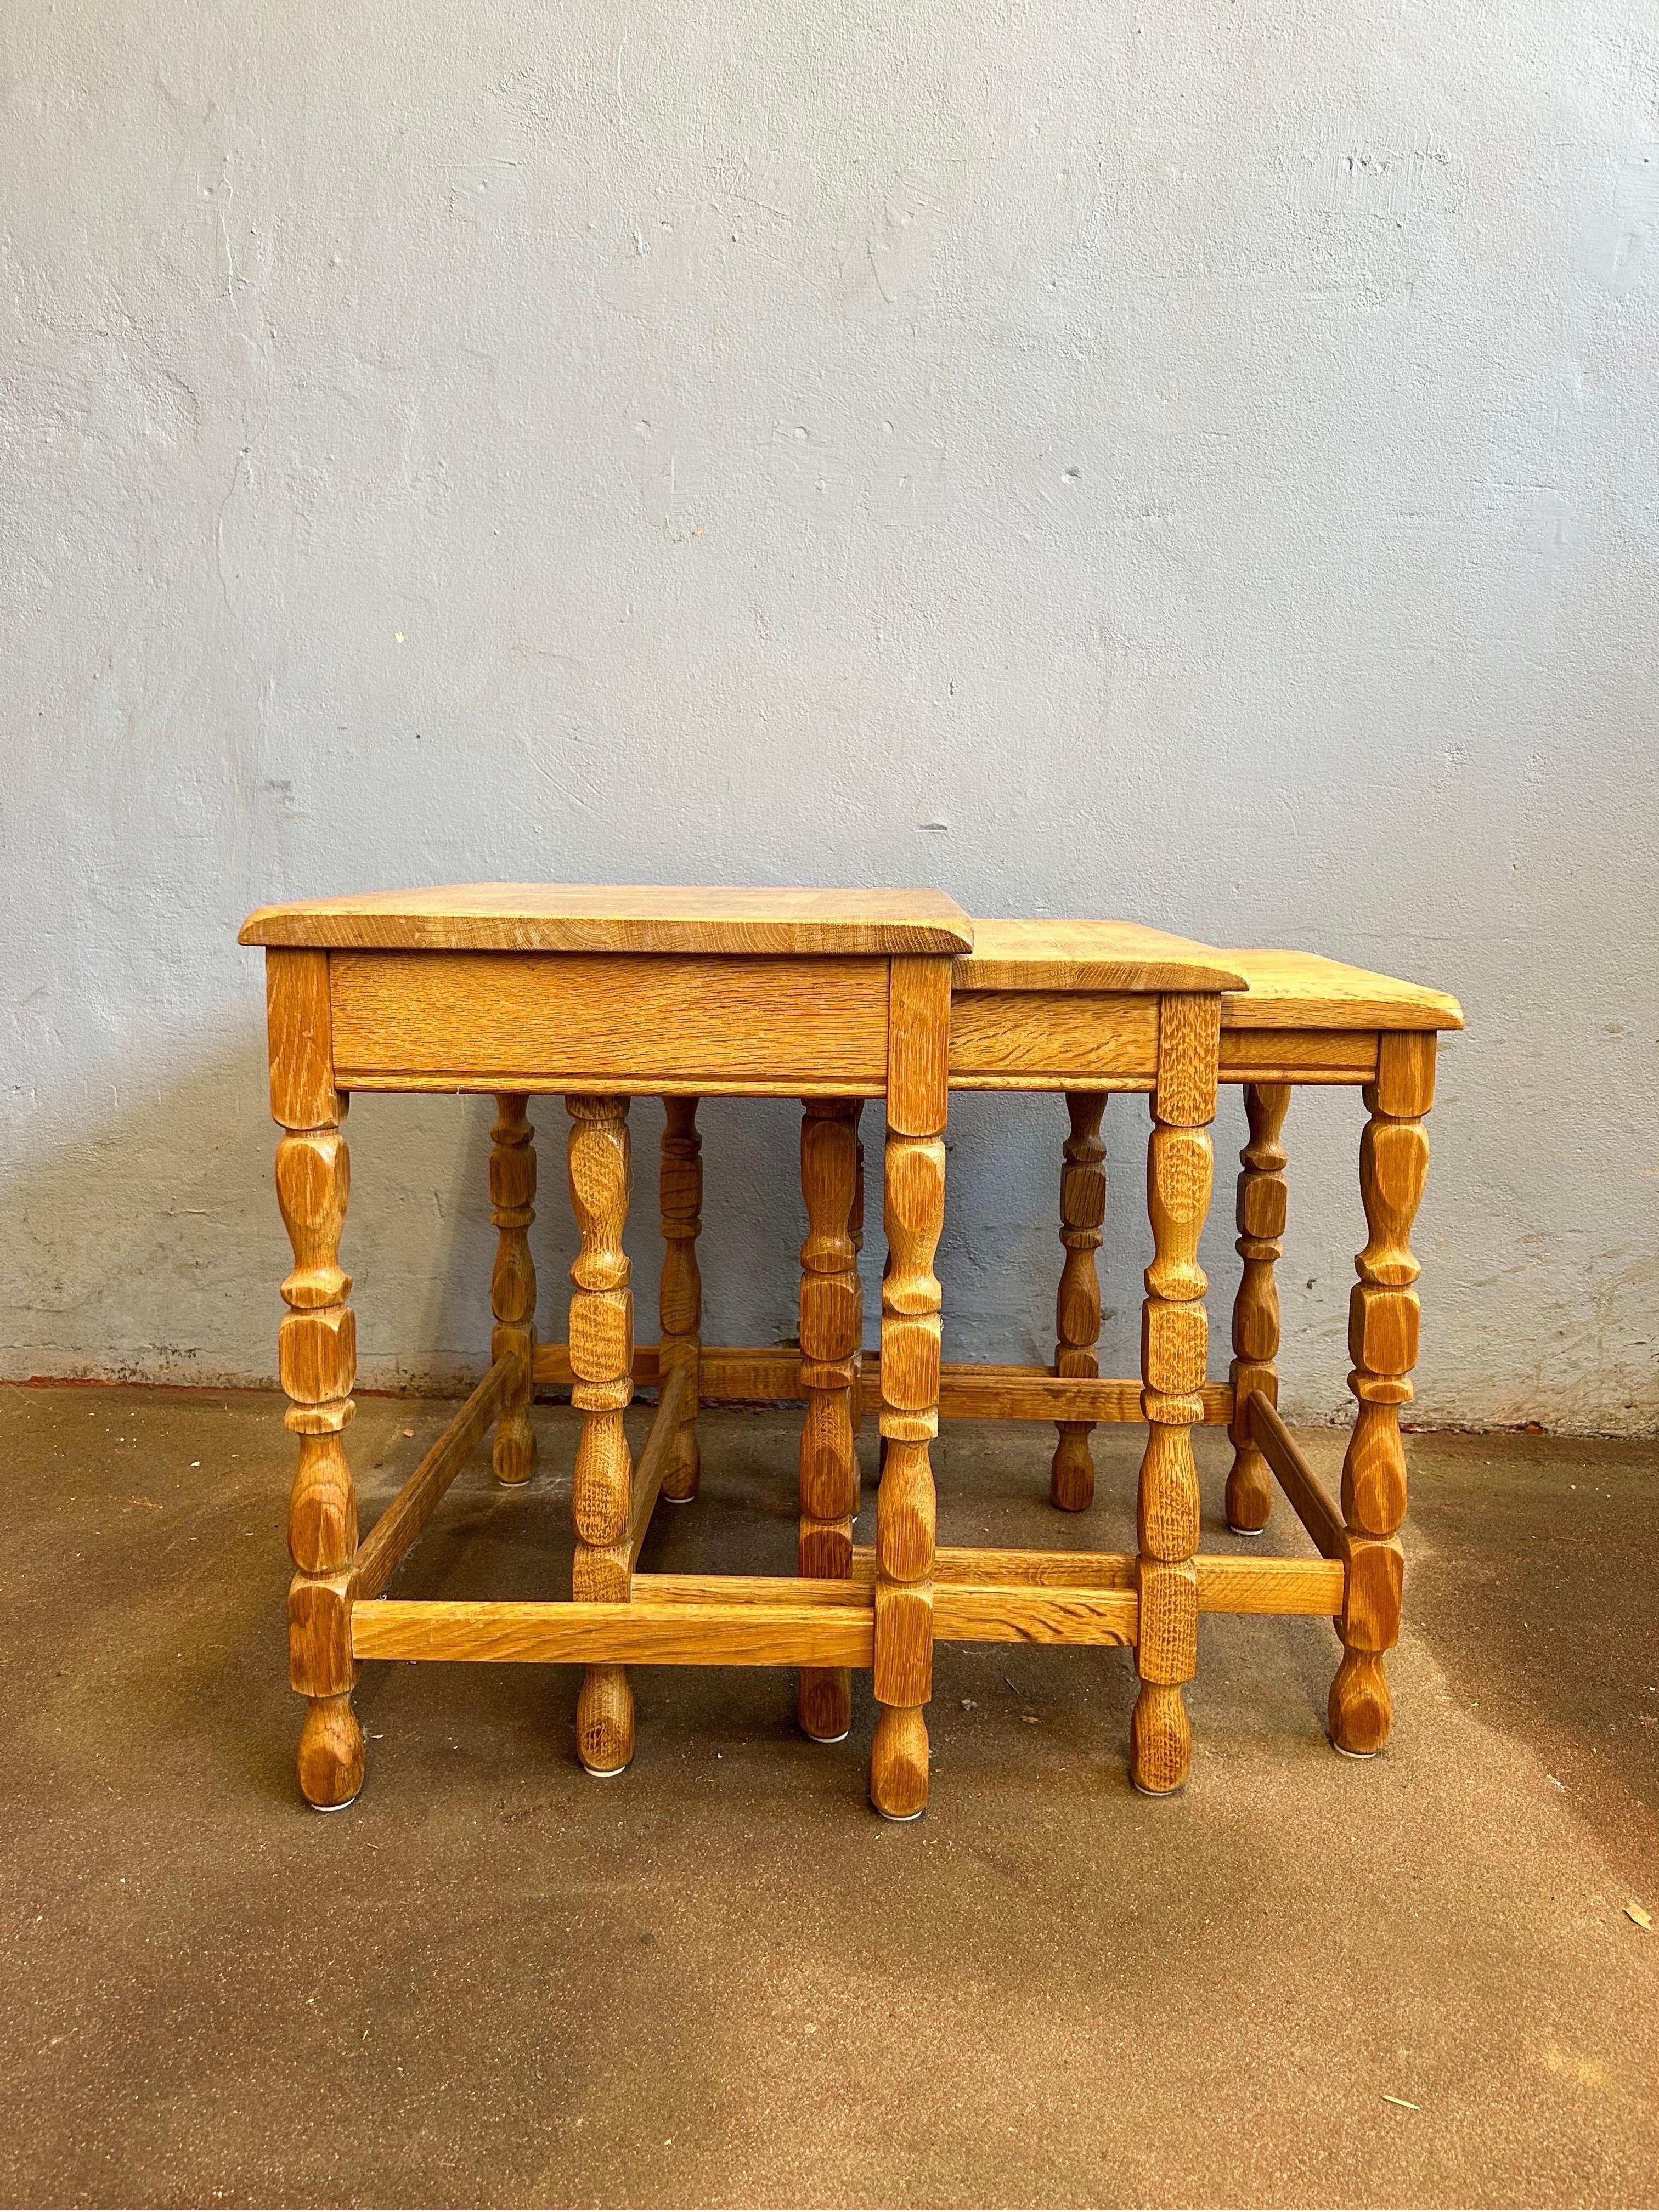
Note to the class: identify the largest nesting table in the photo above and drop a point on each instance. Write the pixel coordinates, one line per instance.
(597, 994)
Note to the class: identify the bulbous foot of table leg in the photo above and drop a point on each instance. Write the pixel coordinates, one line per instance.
(1361, 1711)
(1072, 1472)
(684, 1476)
(898, 1763)
(604, 1721)
(331, 1759)
(1249, 1494)
(514, 1454)
(824, 1704)
(1160, 1739)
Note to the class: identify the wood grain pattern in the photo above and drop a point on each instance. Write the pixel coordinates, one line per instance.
(314, 1187)
(317, 1358)
(1189, 1046)
(1053, 1080)
(1383, 1338)
(1404, 1075)
(1001, 1567)
(606, 1637)
(758, 1589)
(513, 1282)
(914, 1205)
(1076, 1301)
(602, 1347)
(757, 1621)
(318, 1651)
(1065, 1041)
(1310, 1501)
(1262, 1201)
(300, 1035)
(918, 1047)
(768, 1622)
(651, 1472)
(1089, 956)
(990, 1393)
(1292, 990)
(601, 992)
(831, 1332)
(531, 1022)
(771, 1375)
(1313, 1055)
(1225, 1584)
(679, 1299)
(1025, 1613)
(654, 918)
(1310, 1587)
(1266, 988)
(1173, 1346)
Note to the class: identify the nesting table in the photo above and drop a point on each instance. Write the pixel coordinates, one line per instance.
(598, 993)
(1298, 1020)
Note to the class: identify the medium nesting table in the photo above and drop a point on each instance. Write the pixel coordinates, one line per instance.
(596, 994)
(1145, 1019)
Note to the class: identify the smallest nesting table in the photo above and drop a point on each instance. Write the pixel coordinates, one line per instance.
(1033, 1009)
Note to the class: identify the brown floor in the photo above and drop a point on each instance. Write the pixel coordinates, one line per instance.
(721, 1980)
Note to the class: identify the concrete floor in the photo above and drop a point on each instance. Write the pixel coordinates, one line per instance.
(721, 1980)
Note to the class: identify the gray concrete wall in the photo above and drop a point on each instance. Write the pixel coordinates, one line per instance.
(1198, 462)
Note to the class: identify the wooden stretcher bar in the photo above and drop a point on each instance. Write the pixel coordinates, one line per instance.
(1226, 1584)
(382, 1551)
(648, 1473)
(792, 1631)
(771, 1375)
(757, 1621)
(1312, 1504)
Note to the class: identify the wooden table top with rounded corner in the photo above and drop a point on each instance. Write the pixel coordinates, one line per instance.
(561, 987)
(618, 918)
(1045, 1006)
(1055, 1005)
(1042, 1007)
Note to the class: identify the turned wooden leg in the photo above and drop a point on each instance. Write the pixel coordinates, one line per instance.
(679, 1190)
(1262, 1200)
(1077, 1306)
(856, 1229)
(914, 1193)
(1382, 1335)
(602, 1362)
(832, 1326)
(1174, 1344)
(317, 1355)
(513, 1284)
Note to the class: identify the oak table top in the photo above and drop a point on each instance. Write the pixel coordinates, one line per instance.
(619, 918)
(1286, 989)
(1089, 956)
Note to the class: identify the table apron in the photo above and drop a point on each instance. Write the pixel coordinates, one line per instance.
(609, 1023)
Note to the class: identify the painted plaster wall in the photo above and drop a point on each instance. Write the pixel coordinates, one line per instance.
(1197, 462)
